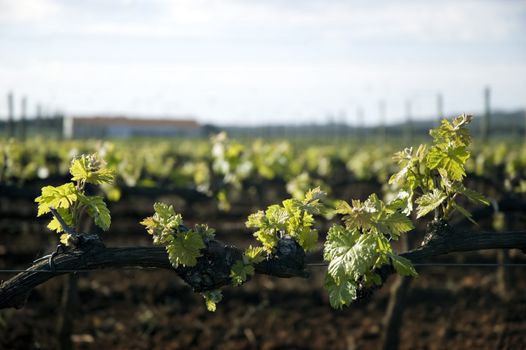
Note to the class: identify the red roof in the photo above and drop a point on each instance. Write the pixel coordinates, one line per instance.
(109, 121)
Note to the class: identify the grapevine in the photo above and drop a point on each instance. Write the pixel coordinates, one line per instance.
(431, 177)
(358, 248)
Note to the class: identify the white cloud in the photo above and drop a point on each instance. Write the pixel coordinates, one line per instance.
(15, 11)
(430, 21)
(226, 60)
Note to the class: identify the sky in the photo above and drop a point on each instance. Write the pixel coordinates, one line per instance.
(249, 62)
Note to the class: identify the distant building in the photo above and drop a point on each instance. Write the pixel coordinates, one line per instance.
(123, 127)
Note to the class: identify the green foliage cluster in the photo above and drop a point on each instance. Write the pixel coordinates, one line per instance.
(293, 218)
(225, 168)
(362, 245)
(428, 179)
(432, 176)
(183, 245)
(71, 201)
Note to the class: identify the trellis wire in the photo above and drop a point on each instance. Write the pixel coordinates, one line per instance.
(321, 264)
(443, 264)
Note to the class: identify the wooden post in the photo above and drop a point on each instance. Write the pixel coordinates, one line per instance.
(485, 124)
(440, 108)
(359, 122)
(59, 125)
(38, 120)
(382, 115)
(23, 117)
(66, 313)
(393, 317)
(408, 130)
(10, 115)
(342, 125)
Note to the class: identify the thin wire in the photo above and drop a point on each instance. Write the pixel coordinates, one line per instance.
(471, 264)
(445, 264)
(309, 265)
(73, 271)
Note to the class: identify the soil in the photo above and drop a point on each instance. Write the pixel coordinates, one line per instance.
(447, 308)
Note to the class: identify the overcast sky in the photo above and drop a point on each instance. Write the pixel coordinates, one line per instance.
(269, 61)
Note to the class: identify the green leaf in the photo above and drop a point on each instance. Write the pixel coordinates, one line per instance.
(91, 169)
(451, 159)
(472, 195)
(163, 224)
(350, 254)
(240, 272)
(294, 218)
(254, 254)
(98, 210)
(165, 215)
(185, 248)
(311, 203)
(340, 294)
(455, 162)
(277, 216)
(402, 265)
(308, 239)
(54, 225)
(429, 201)
(464, 212)
(314, 195)
(406, 160)
(435, 157)
(204, 231)
(268, 238)
(403, 202)
(212, 298)
(58, 197)
(66, 239)
(256, 219)
(395, 224)
(455, 133)
(360, 215)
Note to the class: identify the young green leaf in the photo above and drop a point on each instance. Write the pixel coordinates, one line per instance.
(472, 195)
(429, 201)
(212, 298)
(350, 254)
(402, 265)
(240, 272)
(340, 294)
(97, 209)
(54, 225)
(254, 255)
(91, 169)
(464, 212)
(185, 248)
(58, 197)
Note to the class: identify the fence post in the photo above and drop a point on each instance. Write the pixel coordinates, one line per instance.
(382, 114)
(408, 137)
(485, 124)
(23, 116)
(10, 115)
(360, 132)
(440, 108)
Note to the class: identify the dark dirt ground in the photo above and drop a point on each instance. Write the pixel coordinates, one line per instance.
(447, 307)
(154, 310)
